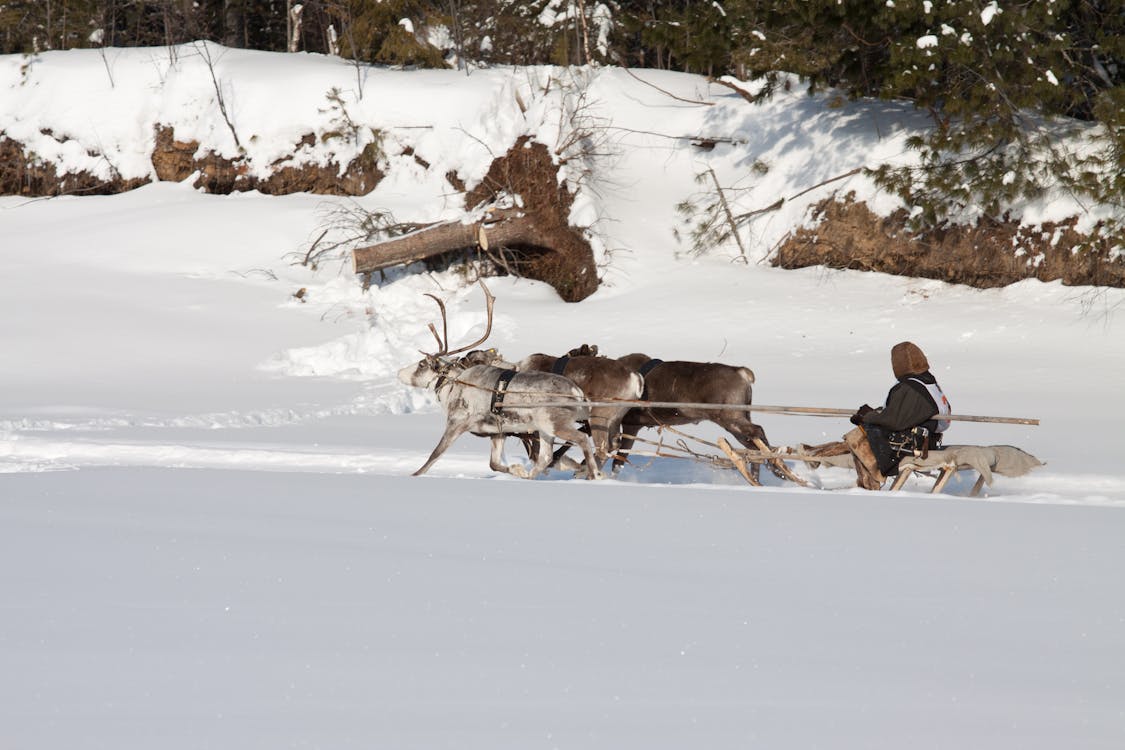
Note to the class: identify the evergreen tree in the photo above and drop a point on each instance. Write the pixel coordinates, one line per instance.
(996, 80)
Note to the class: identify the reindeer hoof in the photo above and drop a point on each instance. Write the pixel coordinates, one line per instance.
(518, 471)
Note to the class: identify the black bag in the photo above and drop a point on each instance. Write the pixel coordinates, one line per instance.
(918, 441)
(890, 447)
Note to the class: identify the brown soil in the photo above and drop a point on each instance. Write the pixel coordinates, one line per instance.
(849, 235)
(564, 259)
(175, 161)
(22, 173)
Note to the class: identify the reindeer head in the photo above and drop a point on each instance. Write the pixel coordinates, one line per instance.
(435, 367)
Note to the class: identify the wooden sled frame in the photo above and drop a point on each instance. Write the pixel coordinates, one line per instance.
(945, 473)
(742, 459)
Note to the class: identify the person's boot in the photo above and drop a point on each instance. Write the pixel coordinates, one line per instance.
(867, 471)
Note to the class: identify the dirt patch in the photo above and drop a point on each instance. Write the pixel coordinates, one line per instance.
(176, 161)
(988, 254)
(562, 258)
(24, 173)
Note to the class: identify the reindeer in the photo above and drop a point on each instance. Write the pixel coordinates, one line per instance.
(601, 379)
(487, 400)
(691, 383)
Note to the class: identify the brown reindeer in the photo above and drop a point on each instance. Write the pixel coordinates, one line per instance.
(494, 402)
(691, 383)
(601, 379)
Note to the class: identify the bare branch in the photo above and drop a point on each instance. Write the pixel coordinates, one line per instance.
(205, 52)
(667, 93)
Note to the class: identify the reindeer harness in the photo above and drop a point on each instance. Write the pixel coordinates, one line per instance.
(501, 390)
(646, 368)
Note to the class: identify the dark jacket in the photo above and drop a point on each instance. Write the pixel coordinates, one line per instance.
(909, 405)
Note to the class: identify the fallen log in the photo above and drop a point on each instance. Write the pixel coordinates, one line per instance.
(546, 251)
(427, 242)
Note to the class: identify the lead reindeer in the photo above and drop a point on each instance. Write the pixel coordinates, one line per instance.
(692, 383)
(495, 402)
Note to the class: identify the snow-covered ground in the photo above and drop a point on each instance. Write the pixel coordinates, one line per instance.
(210, 537)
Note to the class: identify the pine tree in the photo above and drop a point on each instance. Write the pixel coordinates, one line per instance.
(996, 80)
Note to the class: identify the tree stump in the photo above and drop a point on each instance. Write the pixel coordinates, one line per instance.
(543, 245)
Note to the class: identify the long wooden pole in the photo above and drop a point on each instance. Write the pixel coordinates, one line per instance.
(806, 411)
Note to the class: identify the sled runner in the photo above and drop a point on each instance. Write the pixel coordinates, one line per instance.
(986, 460)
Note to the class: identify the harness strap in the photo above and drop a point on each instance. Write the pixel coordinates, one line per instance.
(645, 369)
(941, 403)
(501, 390)
(560, 364)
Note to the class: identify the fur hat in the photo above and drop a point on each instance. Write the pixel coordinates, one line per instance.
(908, 359)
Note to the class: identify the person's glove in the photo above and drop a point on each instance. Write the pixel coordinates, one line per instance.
(860, 413)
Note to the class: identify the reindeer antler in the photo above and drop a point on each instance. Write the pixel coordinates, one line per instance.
(488, 300)
(443, 343)
(443, 340)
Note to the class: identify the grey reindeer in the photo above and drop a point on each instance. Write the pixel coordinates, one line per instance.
(495, 402)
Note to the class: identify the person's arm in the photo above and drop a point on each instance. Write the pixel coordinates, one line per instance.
(905, 408)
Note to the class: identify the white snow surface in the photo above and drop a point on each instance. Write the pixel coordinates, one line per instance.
(209, 532)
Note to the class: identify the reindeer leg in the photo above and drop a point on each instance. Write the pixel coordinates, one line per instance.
(628, 437)
(563, 462)
(776, 465)
(613, 432)
(543, 456)
(496, 459)
(600, 432)
(582, 440)
(452, 432)
(530, 445)
(747, 433)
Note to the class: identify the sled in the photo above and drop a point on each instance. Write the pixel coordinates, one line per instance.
(942, 464)
(985, 460)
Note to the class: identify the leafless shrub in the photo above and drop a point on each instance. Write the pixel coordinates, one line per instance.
(345, 225)
(204, 50)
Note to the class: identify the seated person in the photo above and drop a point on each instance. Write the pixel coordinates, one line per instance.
(907, 424)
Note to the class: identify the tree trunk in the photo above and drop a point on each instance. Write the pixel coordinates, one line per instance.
(409, 248)
(232, 23)
(556, 255)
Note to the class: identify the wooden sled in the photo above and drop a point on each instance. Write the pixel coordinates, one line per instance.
(986, 460)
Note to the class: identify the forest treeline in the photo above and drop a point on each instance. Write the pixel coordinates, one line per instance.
(1024, 96)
